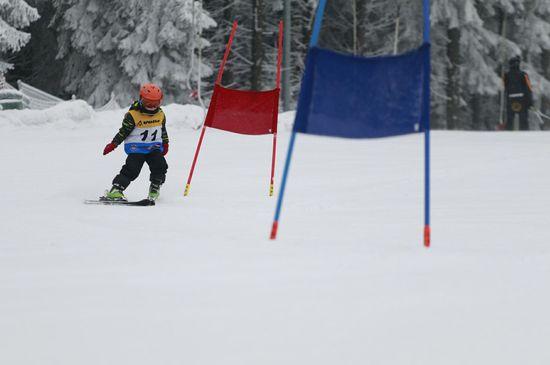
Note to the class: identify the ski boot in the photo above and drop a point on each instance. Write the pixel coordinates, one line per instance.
(154, 192)
(115, 194)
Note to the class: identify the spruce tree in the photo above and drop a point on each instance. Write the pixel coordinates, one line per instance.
(14, 16)
(115, 46)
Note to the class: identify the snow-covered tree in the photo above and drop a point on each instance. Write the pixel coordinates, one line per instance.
(14, 16)
(362, 27)
(533, 37)
(466, 59)
(252, 64)
(114, 46)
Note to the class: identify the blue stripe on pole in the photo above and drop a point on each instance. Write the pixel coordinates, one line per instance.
(426, 15)
(318, 23)
(426, 120)
(356, 97)
(426, 116)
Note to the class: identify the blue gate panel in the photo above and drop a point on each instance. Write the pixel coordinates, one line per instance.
(363, 97)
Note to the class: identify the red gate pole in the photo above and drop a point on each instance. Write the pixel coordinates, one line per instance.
(271, 184)
(226, 54)
(188, 185)
(275, 118)
(218, 81)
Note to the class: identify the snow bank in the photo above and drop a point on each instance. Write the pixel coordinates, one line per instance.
(68, 113)
(192, 116)
(184, 116)
(76, 113)
(178, 116)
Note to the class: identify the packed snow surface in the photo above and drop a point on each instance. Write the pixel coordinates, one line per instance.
(195, 280)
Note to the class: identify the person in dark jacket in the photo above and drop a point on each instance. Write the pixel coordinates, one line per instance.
(519, 95)
(145, 140)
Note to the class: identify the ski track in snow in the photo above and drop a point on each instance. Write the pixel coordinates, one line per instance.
(195, 280)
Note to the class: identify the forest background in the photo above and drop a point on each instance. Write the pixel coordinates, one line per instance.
(93, 49)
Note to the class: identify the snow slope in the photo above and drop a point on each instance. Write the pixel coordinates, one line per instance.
(196, 281)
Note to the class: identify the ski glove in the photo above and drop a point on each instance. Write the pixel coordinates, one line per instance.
(165, 149)
(109, 148)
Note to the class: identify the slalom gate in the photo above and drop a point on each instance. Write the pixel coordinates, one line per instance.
(349, 96)
(243, 111)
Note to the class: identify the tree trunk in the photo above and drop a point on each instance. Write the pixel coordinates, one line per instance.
(354, 13)
(453, 79)
(476, 112)
(545, 101)
(257, 44)
(36, 63)
(362, 24)
(287, 70)
(227, 78)
(501, 15)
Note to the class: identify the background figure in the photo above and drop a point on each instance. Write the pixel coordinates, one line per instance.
(519, 95)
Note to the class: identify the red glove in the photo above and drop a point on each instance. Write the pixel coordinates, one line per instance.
(109, 148)
(165, 148)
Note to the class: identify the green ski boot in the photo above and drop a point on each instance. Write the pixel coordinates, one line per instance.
(154, 192)
(115, 194)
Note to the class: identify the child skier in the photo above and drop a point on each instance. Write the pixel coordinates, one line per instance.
(145, 139)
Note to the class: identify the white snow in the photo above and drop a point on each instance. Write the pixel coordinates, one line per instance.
(195, 280)
(68, 114)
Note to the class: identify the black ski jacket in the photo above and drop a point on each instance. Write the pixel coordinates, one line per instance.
(517, 86)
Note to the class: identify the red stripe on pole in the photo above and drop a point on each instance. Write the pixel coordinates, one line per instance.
(427, 238)
(274, 229)
(226, 54)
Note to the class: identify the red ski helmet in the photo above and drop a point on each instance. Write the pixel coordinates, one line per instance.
(150, 96)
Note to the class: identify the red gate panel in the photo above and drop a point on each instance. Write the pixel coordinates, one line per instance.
(243, 111)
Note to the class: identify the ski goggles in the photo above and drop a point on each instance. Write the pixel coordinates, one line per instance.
(150, 104)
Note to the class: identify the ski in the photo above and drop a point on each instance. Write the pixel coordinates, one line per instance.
(139, 203)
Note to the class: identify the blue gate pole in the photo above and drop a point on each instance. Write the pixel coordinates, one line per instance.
(426, 113)
(313, 42)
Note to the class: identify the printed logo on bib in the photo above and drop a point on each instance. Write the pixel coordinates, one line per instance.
(146, 123)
